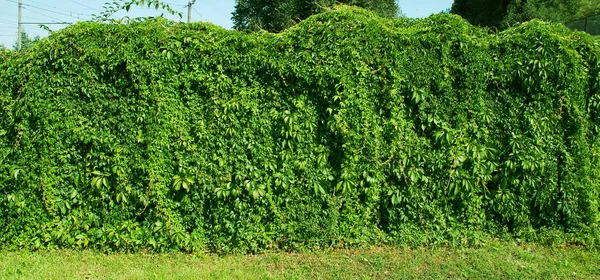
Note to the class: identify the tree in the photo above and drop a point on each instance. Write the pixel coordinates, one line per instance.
(550, 10)
(278, 15)
(481, 12)
(26, 42)
(502, 13)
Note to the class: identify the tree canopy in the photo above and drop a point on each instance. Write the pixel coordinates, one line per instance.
(26, 41)
(550, 10)
(278, 15)
(501, 13)
(481, 12)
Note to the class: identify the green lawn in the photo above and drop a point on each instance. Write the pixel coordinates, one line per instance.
(496, 261)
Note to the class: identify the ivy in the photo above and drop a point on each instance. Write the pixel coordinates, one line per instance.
(346, 129)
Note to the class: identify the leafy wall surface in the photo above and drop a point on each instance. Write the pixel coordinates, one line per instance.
(346, 129)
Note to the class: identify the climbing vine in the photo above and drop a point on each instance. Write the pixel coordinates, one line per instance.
(347, 129)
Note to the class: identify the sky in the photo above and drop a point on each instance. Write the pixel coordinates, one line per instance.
(70, 11)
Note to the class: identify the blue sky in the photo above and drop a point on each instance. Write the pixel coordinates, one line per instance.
(215, 11)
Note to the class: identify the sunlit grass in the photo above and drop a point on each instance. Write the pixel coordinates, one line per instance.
(500, 261)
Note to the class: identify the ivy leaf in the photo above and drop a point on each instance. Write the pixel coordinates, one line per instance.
(15, 173)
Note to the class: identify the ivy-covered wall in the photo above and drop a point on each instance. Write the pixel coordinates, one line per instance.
(347, 129)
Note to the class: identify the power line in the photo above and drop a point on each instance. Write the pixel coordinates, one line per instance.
(46, 5)
(50, 17)
(218, 10)
(201, 16)
(58, 8)
(40, 18)
(174, 4)
(4, 13)
(44, 23)
(85, 6)
(55, 12)
(46, 10)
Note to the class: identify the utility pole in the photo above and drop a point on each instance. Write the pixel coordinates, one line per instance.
(20, 27)
(190, 3)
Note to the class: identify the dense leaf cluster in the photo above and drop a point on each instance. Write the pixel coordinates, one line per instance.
(346, 129)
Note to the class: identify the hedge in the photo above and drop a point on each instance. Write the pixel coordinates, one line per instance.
(344, 130)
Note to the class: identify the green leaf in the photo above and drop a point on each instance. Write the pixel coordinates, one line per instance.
(97, 182)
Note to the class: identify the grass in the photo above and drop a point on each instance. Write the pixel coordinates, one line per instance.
(495, 261)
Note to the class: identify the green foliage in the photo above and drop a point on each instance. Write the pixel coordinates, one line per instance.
(111, 8)
(554, 10)
(26, 41)
(275, 16)
(346, 129)
(504, 13)
(481, 12)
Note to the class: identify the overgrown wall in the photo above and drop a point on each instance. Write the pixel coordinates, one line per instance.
(346, 129)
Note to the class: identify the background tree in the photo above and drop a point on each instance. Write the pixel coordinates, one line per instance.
(501, 13)
(550, 10)
(26, 41)
(278, 15)
(481, 12)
